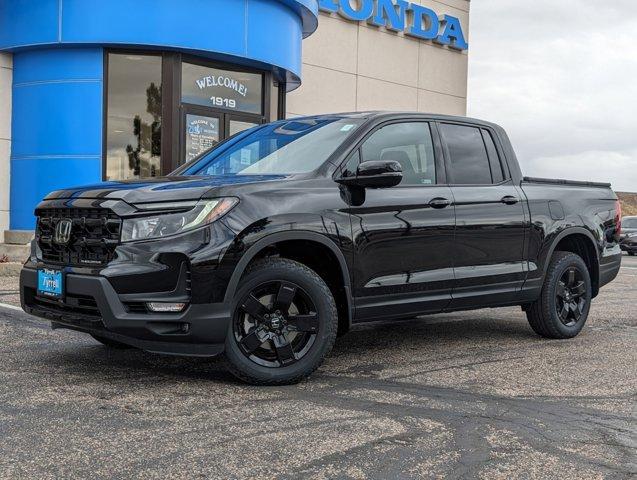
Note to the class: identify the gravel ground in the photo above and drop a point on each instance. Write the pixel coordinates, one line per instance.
(464, 395)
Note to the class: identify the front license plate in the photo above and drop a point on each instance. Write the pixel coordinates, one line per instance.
(50, 283)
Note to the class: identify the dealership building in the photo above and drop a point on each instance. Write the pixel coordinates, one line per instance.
(95, 90)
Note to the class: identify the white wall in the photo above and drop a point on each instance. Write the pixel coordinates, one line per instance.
(352, 66)
(6, 75)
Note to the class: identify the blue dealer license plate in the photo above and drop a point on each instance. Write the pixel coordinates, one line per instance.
(50, 283)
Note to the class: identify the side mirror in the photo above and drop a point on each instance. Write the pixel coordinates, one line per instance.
(375, 174)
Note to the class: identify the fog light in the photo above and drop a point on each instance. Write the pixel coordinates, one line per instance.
(165, 307)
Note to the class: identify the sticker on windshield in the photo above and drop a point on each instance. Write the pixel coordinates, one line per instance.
(246, 156)
(347, 128)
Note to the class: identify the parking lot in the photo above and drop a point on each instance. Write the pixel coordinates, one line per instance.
(471, 395)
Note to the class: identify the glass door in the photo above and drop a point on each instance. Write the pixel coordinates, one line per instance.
(236, 125)
(202, 129)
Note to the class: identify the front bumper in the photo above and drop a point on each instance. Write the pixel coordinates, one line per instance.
(630, 247)
(92, 305)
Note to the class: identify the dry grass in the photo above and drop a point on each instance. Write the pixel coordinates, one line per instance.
(629, 203)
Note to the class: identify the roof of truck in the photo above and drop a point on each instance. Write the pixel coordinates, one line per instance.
(397, 114)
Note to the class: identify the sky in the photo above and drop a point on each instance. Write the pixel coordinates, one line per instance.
(561, 77)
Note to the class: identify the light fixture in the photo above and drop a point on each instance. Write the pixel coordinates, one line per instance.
(165, 307)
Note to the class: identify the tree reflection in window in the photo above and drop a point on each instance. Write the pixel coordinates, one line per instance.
(133, 124)
(148, 136)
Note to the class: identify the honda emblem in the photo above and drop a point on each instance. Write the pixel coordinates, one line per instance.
(63, 231)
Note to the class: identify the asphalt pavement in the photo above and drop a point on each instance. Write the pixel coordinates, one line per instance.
(464, 395)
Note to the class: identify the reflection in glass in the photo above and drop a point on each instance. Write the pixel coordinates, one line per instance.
(133, 123)
(293, 146)
(236, 126)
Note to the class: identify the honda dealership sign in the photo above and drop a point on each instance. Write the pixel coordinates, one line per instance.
(400, 15)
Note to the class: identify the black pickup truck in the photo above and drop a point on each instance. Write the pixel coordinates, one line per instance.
(272, 243)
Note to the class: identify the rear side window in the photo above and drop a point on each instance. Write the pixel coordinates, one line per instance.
(496, 164)
(469, 161)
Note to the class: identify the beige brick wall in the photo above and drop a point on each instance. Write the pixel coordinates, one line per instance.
(352, 66)
(6, 75)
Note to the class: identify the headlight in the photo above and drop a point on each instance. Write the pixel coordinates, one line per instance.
(166, 223)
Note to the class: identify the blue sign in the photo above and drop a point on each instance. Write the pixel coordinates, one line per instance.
(392, 14)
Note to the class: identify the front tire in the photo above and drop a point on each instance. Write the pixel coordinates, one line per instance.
(564, 304)
(284, 323)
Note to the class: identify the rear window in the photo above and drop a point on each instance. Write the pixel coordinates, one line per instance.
(469, 161)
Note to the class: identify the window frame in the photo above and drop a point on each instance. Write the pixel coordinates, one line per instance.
(483, 129)
(439, 165)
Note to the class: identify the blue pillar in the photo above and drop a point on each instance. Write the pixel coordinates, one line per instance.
(56, 125)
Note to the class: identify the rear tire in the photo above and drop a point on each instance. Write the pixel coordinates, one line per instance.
(107, 342)
(284, 324)
(563, 307)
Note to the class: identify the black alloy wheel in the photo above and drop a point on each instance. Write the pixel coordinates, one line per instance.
(284, 323)
(276, 324)
(570, 296)
(565, 300)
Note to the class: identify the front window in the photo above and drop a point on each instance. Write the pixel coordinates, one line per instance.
(133, 122)
(629, 223)
(409, 144)
(294, 146)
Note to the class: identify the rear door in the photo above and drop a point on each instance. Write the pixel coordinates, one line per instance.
(403, 236)
(491, 225)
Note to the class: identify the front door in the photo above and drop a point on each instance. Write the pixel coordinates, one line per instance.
(203, 128)
(403, 236)
(490, 219)
(217, 103)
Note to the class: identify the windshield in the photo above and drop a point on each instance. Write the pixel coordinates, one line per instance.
(629, 222)
(295, 146)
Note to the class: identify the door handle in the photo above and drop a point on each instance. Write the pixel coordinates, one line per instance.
(510, 200)
(439, 202)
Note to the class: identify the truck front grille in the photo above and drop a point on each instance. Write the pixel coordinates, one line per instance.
(94, 234)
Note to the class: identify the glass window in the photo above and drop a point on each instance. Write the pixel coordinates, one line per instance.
(629, 222)
(202, 133)
(497, 172)
(350, 166)
(294, 146)
(133, 119)
(469, 163)
(410, 144)
(237, 126)
(212, 87)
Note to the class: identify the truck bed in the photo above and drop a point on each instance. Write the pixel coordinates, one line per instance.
(559, 181)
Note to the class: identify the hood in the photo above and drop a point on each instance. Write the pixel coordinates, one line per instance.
(160, 189)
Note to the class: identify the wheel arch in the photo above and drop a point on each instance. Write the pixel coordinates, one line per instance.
(264, 244)
(580, 241)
